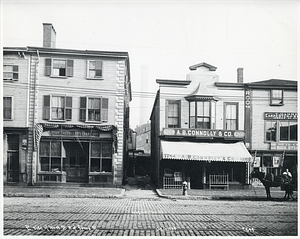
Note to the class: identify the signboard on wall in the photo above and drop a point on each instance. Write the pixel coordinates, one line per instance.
(247, 122)
(256, 162)
(283, 146)
(207, 133)
(280, 116)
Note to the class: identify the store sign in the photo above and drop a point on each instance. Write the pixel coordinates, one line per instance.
(208, 133)
(280, 116)
(284, 146)
(72, 133)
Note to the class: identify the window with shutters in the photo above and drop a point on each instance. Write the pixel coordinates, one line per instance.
(93, 109)
(57, 107)
(7, 108)
(59, 67)
(10, 72)
(94, 70)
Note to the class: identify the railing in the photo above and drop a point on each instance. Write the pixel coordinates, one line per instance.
(170, 182)
(218, 180)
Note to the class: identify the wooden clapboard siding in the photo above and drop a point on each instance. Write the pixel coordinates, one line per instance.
(261, 104)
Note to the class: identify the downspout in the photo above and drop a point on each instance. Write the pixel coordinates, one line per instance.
(34, 152)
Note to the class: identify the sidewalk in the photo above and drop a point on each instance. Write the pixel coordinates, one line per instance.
(255, 193)
(59, 192)
(97, 192)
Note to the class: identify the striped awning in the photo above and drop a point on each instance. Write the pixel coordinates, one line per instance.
(220, 152)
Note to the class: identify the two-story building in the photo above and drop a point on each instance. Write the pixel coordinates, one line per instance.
(197, 132)
(77, 113)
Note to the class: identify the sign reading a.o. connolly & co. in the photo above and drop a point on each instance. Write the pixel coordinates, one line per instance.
(207, 133)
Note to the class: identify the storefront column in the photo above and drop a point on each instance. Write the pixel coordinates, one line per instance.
(204, 175)
(4, 157)
(34, 166)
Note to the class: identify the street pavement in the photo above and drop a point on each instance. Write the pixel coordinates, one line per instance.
(137, 212)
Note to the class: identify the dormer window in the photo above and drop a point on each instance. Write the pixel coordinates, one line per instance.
(276, 98)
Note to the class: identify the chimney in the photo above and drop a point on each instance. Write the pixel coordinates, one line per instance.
(49, 35)
(240, 77)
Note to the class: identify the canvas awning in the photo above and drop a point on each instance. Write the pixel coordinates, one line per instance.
(221, 152)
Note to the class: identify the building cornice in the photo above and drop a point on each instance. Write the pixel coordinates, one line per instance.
(172, 82)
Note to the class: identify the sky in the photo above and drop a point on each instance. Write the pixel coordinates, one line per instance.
(164, 38)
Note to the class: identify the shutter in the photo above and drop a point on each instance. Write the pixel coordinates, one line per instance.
(68, 108)
(46, 108)
(82, 116)
(70, 67)
(47, 67)
(104, 110)
(15, 72)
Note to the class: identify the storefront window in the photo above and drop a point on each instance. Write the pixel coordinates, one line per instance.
(271, 131)
(50, 156)
(284, 130)
(288, 131)
(101, 157)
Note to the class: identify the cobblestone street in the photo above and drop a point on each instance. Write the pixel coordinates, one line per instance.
(142, 213)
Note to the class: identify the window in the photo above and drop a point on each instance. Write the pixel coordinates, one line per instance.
(101, 157)
(57, 107)
(94, 69)
(277, 130)
(7, 108)
(202, 114)
(50, 156)
(288, 131)
(173, 113)
(94, 109)
(231, 113)
(10, 72)
(276, 97)
(59, 67)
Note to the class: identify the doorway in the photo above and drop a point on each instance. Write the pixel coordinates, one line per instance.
(13, 158)
(76, 161)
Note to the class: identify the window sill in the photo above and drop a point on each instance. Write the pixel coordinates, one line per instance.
(96, 78)
(99, 173)
(276, 104)
(61, 77)
(7, 119)
(95, 122)
(57, 121)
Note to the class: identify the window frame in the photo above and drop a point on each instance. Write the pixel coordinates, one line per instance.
(49, 67)
(173, 102)
(100, 157)
(272, 98)
(47, 109)
(88, 70)
(226, 117)
(278, 131)
(13, 72)
(11, 108)
(84, 109)
(50, 156)
(211, 117)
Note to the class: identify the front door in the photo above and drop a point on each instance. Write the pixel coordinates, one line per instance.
(13, 158)
(76, 164)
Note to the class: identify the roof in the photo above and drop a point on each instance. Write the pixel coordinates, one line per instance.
(173, 82)
(274, 82)
(203, 64)
(201, 92)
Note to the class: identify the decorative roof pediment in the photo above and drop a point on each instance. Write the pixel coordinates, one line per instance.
(203, 64)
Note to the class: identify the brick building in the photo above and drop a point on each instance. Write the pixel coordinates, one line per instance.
(77, 113)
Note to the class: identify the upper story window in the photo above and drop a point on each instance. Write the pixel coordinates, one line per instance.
(276, 97)
(281, 130)
(173, 114)
(231, 116)
(203, 114)
(57, 107)
(94, 70)
(94, 109)
(10, 72)
(59, 67)
(7, 108)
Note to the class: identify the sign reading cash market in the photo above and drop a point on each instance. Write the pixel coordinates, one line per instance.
(205, 133)
(280, 116)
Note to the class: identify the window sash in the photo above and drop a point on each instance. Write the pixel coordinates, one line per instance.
(50, 155)
(59, 67)
(95, 69)
(57, 107)
(93, 109)
(276, 97)
(10, 72)
(231, 113)
(173, 114)
(7, 108)
(201, 115)
(101, 157)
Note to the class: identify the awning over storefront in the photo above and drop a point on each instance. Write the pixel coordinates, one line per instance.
(221, 152)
